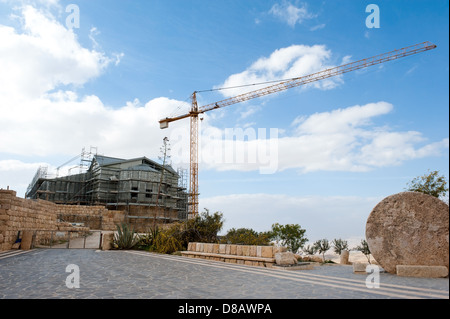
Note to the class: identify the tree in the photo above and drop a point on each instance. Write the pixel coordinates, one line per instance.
(310, 249)
(290, 235)
(339, 245)
(364, 248)
(432, 184)
(322, 246)
(203, 228)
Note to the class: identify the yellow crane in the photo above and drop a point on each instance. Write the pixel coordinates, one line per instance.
(274, 88)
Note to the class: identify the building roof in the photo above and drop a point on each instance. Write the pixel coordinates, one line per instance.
(140, 163)
(105, 160)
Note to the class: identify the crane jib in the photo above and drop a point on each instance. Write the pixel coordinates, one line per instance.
(284, 85)
(280, 86)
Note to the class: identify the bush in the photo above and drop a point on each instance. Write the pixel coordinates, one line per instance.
(203, 228)
(246, 236)
(166, 243)
(148, 240)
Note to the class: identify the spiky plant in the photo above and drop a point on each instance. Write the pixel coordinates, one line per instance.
(125, 238)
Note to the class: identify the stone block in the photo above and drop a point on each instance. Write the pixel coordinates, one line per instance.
(258, 251)
(222, 249)
(107, 240)
(239, 250)
(233, 249)
(343, 258)
(279, 249)
(215, 248)
(253, 251)
(266, 251)
(422, 271)
(360, 268)
(27, 239)
(245, 250)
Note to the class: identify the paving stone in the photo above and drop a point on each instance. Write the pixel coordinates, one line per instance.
(40, 274)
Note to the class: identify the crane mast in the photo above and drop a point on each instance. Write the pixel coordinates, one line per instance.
(280, 86)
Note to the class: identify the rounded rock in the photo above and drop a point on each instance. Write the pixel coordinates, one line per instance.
(409, 228)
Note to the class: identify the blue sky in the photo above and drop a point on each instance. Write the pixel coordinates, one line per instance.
(342, 145)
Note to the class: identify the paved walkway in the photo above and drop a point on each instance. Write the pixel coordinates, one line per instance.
(41, 274)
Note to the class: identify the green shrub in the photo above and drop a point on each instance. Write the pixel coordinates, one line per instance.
(148, 240)
(125, 238)
(203, 228)
(167, 243)
(246, 236)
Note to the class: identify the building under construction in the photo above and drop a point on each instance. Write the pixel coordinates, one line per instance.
(145, 190)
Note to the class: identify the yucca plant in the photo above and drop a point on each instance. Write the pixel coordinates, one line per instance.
(125, 238)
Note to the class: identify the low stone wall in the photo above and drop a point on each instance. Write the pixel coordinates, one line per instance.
(263, 256)
(106, 219)
(18, 214)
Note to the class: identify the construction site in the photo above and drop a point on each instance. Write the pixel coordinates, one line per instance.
(148, 192)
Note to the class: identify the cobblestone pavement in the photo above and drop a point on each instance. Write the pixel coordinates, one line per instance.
(41, 274)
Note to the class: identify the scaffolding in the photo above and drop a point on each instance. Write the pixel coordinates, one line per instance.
(136, 186)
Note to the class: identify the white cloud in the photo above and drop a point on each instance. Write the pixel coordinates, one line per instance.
(317, 27)
(340, 140)
(41, 116)
(44, 56)
(290, 13)
(285, 63)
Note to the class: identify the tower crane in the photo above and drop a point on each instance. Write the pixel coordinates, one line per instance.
(274, 88)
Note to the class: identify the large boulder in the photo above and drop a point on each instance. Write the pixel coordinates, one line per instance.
(409, 228)
(285, 258)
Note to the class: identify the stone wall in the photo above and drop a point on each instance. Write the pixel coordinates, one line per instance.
(263, 256)
(18, 214)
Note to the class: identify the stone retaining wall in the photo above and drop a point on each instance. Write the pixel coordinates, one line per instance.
(263, 256)
(18, 214)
